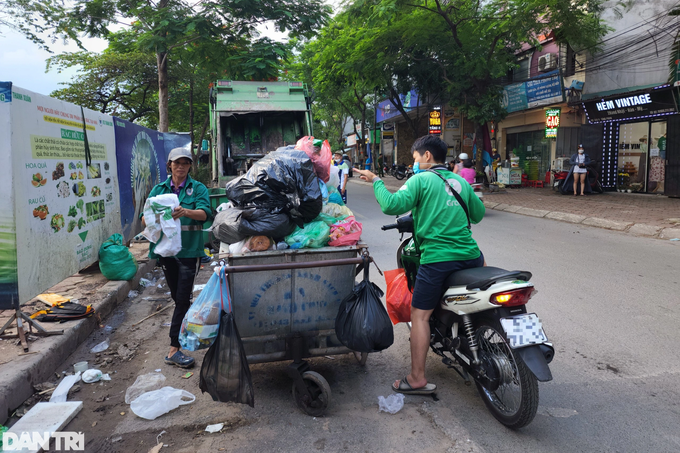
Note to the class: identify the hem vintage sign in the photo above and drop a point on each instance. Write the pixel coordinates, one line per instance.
(657, 101)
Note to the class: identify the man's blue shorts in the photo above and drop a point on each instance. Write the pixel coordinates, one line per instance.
(430, 279)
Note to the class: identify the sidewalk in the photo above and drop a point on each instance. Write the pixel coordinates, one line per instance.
(639, 214)
(19, 371)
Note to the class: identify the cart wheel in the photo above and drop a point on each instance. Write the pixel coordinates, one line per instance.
(321, 394)
(361, 357)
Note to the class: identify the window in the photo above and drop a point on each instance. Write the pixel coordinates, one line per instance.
(521, 73)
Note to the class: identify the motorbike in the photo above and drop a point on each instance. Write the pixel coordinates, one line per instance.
(482, 330)
(558, 179)
(402, 171)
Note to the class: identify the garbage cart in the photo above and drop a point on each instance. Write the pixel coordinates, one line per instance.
(285, 304)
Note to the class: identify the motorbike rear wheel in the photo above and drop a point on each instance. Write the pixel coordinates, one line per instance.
(515, 401)
(399, 175)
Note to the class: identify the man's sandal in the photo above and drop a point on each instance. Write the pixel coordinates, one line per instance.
(405, 388)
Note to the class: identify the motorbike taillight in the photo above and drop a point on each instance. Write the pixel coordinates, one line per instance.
(513, 298)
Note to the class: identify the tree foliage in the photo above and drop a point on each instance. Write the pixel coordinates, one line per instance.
(35, 20)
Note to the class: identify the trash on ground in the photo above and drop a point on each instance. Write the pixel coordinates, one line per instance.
(166, 324)
(132, 294)
(392, 404)
(153, 404)
(156, 449)
(214, 428)
(115, 260)
(198, 287)
(145, 282)
(106, 377)
(90, 376)
(52, 299)
(101, 347)
(43, 418)
(63, 311)
(60, 393)
(80, 366)
(144, 383)
(675, 239)
(187, 375)
(116, 439)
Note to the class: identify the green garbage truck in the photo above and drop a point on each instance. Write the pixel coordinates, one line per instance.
(250, 119)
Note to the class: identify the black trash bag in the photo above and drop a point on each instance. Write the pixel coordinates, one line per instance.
(282, 181)
(262, 222)
(225, 227)
(225, 373)
(363, 324)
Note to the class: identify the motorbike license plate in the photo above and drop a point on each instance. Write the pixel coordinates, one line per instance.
(523, 330)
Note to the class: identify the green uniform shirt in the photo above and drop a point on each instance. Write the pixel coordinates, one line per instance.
(439, 222)
(194, 195)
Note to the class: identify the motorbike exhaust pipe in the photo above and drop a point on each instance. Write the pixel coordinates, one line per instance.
(548, 351)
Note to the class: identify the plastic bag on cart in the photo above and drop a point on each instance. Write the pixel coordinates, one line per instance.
(345, 232)
(225, 373)
(320, 154)
(226, 225)
(362, 323)
(398, 297)
(336, 210)
(334, 180)
(282, 181)
(262, 222)
(313, 235)
(202, 322)
(324, 191)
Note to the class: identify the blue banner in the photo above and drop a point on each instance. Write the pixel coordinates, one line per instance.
(141, 157)
(533, 93)
(5, 91)
(387, 110)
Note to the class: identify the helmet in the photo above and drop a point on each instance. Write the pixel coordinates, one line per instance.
(463, 156)
(179, 153)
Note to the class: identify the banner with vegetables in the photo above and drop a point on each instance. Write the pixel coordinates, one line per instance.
(66, 199)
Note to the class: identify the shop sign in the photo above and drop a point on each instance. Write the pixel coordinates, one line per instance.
(545, 90)
(387, 110)
(552, 122)
(435, 124)
(658, 101)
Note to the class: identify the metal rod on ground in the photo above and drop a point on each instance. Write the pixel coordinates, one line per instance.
(153, 314)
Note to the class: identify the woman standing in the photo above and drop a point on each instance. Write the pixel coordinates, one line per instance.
(467, 172)
(180, 270)
(579, 161)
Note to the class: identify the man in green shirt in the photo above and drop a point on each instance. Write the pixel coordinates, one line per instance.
(441, 234)
(180, 270)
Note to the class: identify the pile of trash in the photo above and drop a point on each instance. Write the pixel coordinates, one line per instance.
(288, 199)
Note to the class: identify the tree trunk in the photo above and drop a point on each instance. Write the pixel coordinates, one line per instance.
(162, 63)
(191, 124)
(479, 140)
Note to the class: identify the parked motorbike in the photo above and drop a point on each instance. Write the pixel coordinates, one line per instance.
(403, 171)
(482, 330)
(558, 179)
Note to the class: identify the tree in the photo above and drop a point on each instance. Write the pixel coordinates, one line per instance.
(35, 19)
(166, 26)
(477, 42)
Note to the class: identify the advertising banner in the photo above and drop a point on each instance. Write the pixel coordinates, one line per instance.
(66, 201)
(387, 110)
(141, 156)
(545, 90)
(659, 101)
(9, 286)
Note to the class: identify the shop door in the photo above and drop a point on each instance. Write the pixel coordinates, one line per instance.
(533, 150)
(632, 158)
(657, 158)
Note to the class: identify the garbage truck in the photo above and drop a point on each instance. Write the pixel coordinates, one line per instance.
(250, 119)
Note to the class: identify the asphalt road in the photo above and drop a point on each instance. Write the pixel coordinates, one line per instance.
(608, 301)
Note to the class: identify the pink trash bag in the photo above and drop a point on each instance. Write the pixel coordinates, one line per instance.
(321, 159)
(345, 232)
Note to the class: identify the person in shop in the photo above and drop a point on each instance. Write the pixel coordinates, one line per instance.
(442, 235)
(578, 173)
(180, 270)
(343, 172)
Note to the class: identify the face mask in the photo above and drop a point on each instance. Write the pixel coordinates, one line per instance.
(417, 169)
(580, 151)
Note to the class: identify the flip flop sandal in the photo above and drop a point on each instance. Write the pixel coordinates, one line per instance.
(180, 360)
(405, 388)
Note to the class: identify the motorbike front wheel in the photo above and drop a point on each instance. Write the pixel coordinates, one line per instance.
(399, 176)
(515, 400)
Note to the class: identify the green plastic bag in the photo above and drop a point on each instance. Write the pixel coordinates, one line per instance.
(115, 260)
(313, 235)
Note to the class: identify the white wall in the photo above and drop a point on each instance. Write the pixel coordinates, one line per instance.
(630, 56)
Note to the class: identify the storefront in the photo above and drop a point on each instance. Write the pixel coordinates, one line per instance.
(628, 133)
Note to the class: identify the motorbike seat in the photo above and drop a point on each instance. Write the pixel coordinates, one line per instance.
(483, 277)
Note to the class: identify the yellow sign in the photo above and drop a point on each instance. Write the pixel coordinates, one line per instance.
(63, 122)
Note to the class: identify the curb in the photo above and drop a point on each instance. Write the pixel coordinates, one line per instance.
(18, 377)
(636, 229)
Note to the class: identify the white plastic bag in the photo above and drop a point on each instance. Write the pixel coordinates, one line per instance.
(60, 393)
(151, 405)
(101, 347)
(392, 404)
(334, 180)
(158, 218)
(90, 376)
(144, 383)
